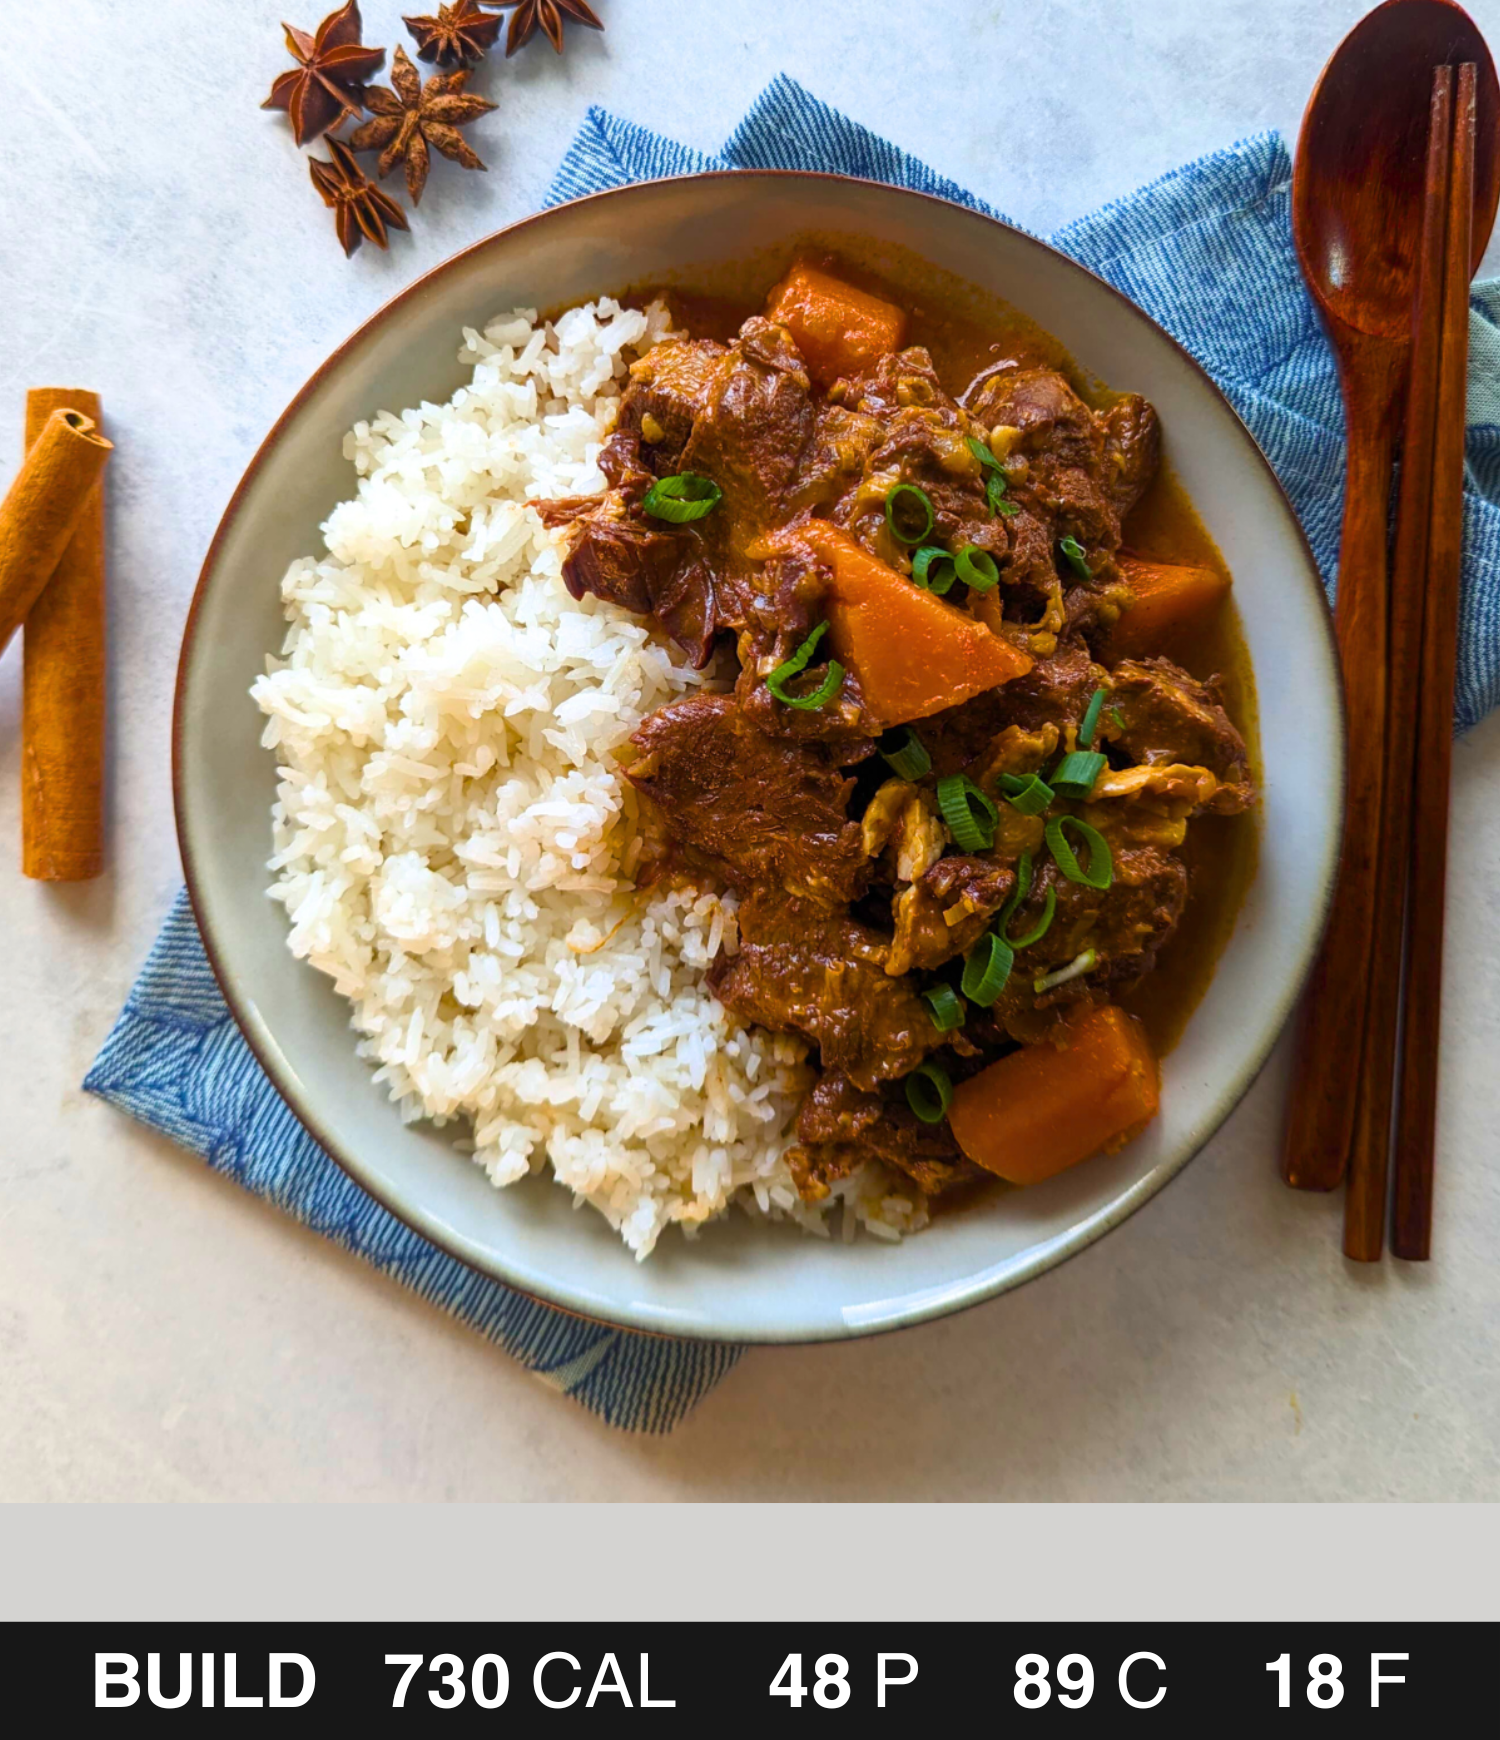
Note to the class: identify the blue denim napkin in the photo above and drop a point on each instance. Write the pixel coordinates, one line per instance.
(1208, 251)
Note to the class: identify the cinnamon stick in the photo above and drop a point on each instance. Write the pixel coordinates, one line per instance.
(63, 698)
(41, 513)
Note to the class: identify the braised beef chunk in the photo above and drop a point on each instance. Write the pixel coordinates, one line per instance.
(1080, 471)
(836, 456)
(1164, 715)
(619, 559)
(903, 378)
(751, 433)
(1040, 707)
(762, 812)
(671, 386)
(929, 449)
(1055, 691)
(803, 969)
(1051, 421)
(958, 740)
(624, 467)
(642, 565)
(657, 573)
(685, 603)
(859, 888)
(740, 416)
(946, 911)
(1057, 456)
(911, 431)
(1124, 924)
(775, 609)
(1132, 451)
(841, 1126)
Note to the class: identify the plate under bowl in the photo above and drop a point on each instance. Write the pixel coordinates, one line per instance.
(741, 1280)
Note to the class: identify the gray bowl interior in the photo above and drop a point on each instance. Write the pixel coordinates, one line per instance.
(740, 1280)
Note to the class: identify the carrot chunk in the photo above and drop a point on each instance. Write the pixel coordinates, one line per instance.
(912, 653)
(1168, 599)
(1040, 1110)
(838, 329)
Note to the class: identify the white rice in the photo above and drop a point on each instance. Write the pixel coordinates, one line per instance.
(454, 843)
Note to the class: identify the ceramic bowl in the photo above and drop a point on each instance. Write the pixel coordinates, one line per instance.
(741, 1280)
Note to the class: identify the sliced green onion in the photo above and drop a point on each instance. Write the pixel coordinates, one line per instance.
(1073, 553)
(1017, 894)
(1101, 870)
(986, 970)
(815, 698)
(1040, 928)
(819, 697)
(1013, 905)
(907, 498)
(932, 569)
(994, 494)
(957, 797)
(908, 757)
(682, 498)
(947, 1012)
(1075, 969)
(1118, 717)
(1089, 724)
(1075, 774)
(929, 1092)
(994, 478)
(797, 663)
(1027, 792)
(976, 568)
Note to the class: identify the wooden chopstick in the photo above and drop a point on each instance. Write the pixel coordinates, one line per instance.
(1374, 1084)
(1330, 1036)
(1411, 1225)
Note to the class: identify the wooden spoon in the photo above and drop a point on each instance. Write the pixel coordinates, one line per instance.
(1357, 209)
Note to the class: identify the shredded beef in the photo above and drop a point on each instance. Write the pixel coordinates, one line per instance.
(1167, 716)
(946, 911)
(760, 811)
(803, 969)
(841, 1126)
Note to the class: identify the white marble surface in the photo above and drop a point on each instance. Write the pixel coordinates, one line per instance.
(164, 1336)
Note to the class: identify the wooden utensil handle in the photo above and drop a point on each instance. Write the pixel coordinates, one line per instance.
(1365, 1204)
(1411, 1210)
(1320, 1127)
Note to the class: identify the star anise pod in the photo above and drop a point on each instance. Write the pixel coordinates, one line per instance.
(412, 116)
(360, 208)
(458, 36)
(326, 84)
(550, 14)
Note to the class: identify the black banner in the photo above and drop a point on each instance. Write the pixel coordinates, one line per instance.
(901, 1675)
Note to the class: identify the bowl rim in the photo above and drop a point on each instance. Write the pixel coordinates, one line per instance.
(961, 1297)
